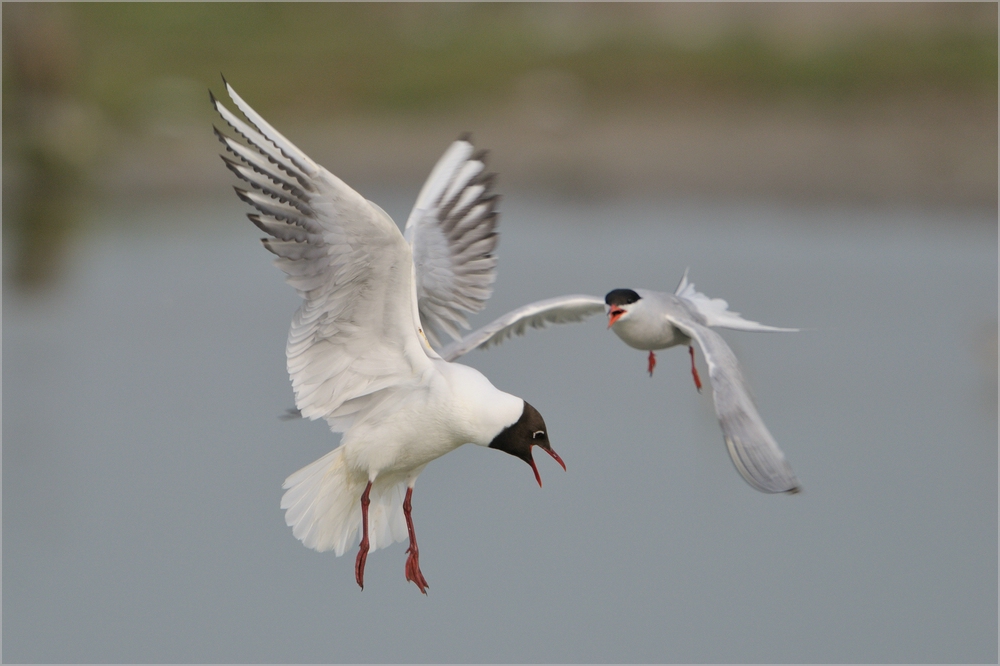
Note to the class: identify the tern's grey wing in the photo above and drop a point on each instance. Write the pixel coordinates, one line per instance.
(752, 448)
(558, 310)
(452, 232)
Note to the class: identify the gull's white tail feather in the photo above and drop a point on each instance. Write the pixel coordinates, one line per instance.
(322, 505)
(716, 311)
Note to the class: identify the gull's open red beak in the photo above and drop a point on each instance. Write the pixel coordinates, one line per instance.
(614, 314)
(552, 453)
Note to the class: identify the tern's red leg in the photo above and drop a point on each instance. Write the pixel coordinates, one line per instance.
(359, 564)
(413, 561)
(694, 370)
(652, 363)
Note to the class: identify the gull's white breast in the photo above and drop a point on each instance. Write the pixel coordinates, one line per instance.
(457, 406)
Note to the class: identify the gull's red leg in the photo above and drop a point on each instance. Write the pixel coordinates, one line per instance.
(413, 561)
(652, 363)
(694, 370)
(359, 564)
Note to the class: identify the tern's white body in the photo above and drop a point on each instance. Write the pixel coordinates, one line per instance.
(646, 327)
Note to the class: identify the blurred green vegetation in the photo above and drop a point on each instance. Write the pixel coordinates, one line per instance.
(314, 60)
(80, 80)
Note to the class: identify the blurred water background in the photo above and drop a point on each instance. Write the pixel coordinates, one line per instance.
(829, 166)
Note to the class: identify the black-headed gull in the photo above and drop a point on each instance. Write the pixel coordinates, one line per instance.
(358, 356)
(651, 320)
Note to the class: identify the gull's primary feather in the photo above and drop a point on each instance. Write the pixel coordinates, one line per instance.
(452, 232)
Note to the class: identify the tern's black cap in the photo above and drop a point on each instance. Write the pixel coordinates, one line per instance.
(621, 297)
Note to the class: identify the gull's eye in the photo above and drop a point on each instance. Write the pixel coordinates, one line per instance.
(538, 434)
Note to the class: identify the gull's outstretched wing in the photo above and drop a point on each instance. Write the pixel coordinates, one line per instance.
(355, 337)
(716, 312)
(452, 232)
(559, 310)
(752, 448)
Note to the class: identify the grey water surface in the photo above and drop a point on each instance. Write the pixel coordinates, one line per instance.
(143, 455)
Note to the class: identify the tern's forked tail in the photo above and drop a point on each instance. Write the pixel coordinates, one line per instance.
(716, 311)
